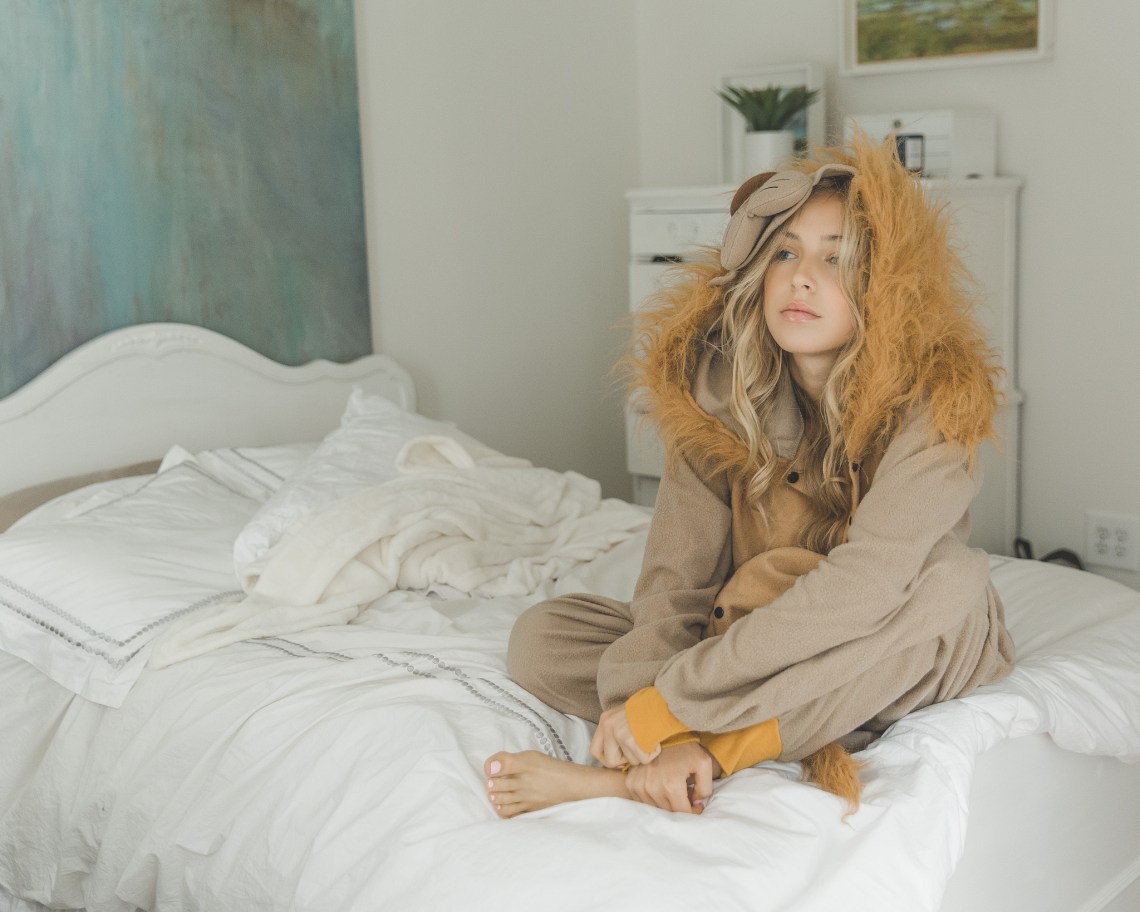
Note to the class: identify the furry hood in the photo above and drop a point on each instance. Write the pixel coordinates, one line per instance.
(921, 343)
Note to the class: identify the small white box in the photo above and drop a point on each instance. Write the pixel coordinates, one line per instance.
(957, 143)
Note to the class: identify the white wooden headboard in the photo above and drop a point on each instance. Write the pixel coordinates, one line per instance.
(131, 394)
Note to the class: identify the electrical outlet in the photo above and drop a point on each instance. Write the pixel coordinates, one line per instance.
(1112, 539)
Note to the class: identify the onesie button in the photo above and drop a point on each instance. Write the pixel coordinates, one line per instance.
(718, 612)
(793, 477)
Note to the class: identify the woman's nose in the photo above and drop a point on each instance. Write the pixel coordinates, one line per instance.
(802, 277)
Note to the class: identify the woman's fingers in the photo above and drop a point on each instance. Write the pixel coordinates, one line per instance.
(614, 755)
(675, 794)
(667, 791)
(597, 745)
(680, 780)
(634, 755)
(614, 744)
(602, 745)
(702, 779)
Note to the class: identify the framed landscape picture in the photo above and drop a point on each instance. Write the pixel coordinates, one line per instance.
(884, 36)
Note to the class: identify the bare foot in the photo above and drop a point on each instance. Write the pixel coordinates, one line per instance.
(528, 781)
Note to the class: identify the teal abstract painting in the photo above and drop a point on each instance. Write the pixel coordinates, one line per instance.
(194, 161)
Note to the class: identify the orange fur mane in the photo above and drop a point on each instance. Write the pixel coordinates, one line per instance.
(921, 341)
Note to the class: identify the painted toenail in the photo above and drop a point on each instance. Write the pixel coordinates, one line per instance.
(490, 785)
(496, 766)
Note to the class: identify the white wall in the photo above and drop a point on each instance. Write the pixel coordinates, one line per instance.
(498, 140)
(500, 136)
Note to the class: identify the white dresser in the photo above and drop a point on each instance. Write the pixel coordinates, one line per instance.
(668, 225)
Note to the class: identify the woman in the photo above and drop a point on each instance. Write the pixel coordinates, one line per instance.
(821, 390)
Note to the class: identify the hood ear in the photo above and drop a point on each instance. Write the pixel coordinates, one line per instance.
(747, 188)
(761, 205)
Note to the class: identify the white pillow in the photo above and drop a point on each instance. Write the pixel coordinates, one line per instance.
(82, 499)
(360, 453)
(83, 596)
(255, 471)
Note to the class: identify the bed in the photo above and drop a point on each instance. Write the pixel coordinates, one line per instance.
(163, 745)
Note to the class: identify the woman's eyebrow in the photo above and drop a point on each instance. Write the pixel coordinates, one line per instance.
(827, 237)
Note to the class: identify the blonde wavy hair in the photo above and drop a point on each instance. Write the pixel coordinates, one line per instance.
(758, 365)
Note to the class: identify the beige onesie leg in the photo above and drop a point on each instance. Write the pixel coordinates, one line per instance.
(556, 645)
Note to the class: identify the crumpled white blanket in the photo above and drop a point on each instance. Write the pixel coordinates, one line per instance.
(472, 521)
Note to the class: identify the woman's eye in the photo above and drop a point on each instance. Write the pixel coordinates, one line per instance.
(833, 259)
(784, 254)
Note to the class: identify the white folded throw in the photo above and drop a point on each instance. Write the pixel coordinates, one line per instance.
(478, 522)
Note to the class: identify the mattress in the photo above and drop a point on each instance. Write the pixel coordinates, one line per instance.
(340, 766)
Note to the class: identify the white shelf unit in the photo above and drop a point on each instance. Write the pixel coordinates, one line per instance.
(667, 225)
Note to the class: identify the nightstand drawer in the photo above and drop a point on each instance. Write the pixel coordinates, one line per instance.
(668, 234)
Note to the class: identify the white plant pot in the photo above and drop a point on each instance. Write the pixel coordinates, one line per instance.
(765, 150)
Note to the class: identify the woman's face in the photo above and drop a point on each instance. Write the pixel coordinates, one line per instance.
(804, 305)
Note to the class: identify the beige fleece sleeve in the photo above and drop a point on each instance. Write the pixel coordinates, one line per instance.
(904, 576)
(687, 559)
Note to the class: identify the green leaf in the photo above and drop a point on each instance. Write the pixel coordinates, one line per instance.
(771, 108)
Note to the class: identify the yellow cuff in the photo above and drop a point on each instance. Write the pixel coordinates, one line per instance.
(650, 719)
(744, 747)
(687, 737)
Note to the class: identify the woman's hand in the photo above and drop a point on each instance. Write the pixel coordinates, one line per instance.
(680, 779)
(614, 745)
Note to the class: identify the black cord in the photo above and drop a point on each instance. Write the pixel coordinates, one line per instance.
(1023, 548)
(1064, 556)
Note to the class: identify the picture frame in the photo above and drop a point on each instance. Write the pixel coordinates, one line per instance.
(944, 23)
(808, 127)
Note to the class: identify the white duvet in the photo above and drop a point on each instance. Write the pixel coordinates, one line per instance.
(455, 515)
(340, 768)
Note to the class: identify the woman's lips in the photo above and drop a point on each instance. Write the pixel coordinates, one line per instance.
(798, 313)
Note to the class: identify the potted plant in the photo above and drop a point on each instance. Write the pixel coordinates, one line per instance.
(767, 112)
